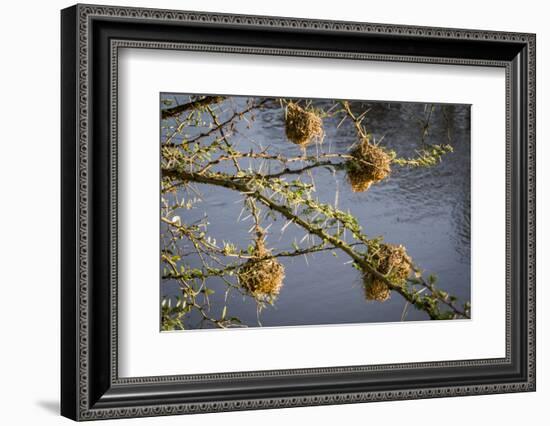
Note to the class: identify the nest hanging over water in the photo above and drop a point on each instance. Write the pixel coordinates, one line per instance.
(370, 164)
(392, 261)
(262, 279)
(377, 290)
(302, 126)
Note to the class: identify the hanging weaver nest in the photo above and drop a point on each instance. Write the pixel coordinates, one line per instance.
(302, 126)
(377, 290)
(370, 164)
(392, 261)
(262, 279)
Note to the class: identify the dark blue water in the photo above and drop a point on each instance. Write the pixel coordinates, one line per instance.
(425, 209)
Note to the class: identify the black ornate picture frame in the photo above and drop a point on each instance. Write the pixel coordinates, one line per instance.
(91, 387)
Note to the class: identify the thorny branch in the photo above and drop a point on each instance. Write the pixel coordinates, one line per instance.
(202, 159)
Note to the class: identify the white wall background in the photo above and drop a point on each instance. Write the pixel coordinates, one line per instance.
(29, 210)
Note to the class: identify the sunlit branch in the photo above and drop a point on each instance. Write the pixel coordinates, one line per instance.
(285, 211)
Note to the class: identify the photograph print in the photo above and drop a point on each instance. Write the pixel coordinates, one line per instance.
(298, 212)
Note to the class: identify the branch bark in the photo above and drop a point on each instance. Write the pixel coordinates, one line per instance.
(178, 109)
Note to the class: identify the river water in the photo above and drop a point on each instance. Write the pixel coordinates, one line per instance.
(425, 209)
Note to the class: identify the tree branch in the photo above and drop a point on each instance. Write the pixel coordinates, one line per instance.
(220, 180)
(178, 109)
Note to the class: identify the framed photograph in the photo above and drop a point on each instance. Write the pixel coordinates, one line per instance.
(263, 212)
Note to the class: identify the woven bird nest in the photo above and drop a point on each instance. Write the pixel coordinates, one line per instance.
(262, 279)
(393, 261)
(370, 164)
(302, 126)
(377, 290)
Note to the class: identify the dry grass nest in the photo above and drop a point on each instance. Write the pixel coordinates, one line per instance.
(392, 261)
(377, 290)
(370, 164)
(302, 126)
(262, 279)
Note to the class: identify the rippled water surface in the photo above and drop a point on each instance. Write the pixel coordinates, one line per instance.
(425, 209)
